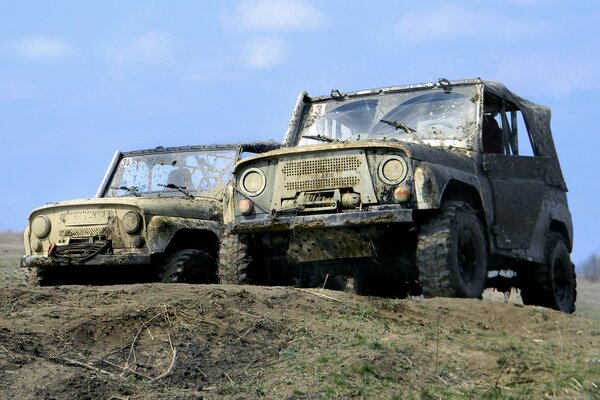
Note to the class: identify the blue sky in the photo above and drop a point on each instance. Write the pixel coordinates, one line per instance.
(79, 80)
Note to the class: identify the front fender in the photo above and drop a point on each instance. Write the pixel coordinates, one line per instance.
(162, 229)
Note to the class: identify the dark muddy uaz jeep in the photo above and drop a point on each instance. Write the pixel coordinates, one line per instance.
(438, 189)
(157, 215)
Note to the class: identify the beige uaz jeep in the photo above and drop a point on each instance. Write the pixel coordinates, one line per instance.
(157, 216)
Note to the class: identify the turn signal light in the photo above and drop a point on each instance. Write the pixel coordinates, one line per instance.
(245, 207)
(402, 193)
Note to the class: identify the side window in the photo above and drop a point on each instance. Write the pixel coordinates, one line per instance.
(504, 130)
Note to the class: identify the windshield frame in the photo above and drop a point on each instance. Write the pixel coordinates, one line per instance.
(470, 132)
(214, 191)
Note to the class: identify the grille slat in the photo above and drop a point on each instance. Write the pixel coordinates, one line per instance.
(317, 184)
(89, 231)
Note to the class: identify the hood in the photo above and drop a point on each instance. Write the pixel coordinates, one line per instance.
(198, 208)
(415, 151)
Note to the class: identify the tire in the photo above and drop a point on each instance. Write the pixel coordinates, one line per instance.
(34, 277)
(451, 253)
(234, 261)
(188, 266)
(52, 276)
(552, 284)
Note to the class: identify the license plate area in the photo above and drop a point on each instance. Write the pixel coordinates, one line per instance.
(322, 200)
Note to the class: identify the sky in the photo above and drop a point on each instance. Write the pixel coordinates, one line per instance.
(81, 79)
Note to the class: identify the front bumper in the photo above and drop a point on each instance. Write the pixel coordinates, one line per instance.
(102, 260)
(270, 223)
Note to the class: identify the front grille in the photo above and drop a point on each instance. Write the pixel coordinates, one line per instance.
(86, 217)
(321, 165)
(321, 173)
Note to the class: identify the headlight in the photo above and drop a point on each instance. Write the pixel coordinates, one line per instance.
(132, 221)
(392, 170)
(253, 181)
(41, 226)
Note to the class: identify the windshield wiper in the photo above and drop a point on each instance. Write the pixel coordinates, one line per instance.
(319, 137)
(398, 125)
(182, 189)
(131, 189)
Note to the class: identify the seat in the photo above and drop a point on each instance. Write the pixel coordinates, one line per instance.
(181, 177)
(491, 136)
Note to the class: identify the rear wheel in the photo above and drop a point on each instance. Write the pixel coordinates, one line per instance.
(189, 266)
(552, 284)
(451, 253)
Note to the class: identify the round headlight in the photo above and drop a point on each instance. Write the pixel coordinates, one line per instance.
(393, 170)
(132, 221)
(40, 226)
(253, 181)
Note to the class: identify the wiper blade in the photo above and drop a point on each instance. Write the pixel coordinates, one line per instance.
(319, 137)
(182, 189)
(130, 189)
(398, 125)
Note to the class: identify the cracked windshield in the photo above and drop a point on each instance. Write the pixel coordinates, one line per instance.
(424, 115)
(202, 173)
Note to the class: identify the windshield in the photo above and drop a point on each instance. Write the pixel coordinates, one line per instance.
(422, 115)
(199, 173)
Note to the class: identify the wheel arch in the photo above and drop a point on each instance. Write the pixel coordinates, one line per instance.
(456, 190)
(188, 238)
(561, 228)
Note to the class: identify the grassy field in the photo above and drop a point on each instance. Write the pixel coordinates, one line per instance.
(247, 342)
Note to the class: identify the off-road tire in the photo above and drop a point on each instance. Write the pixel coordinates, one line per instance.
(34, 278)
(234, 260)
(451, 253)
(552, 284)
(53, 276)
(188, 266)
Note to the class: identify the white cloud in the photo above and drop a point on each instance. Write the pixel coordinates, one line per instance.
(39, 47)
(152, 47)
(275, 15)
(452, 23)
(264, 53)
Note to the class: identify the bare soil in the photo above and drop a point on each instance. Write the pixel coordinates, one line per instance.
(174, 341)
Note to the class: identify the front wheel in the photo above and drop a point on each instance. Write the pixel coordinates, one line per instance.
(234, 260)
(552, 284)
(188, 266)
(451, 253)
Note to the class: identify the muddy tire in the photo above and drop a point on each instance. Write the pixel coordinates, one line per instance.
(451, 253)
(188, 266)
(234, 261)
(552, 284)
(52, 276)
(34, 277)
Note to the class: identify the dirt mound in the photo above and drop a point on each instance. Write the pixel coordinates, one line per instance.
(190, 341)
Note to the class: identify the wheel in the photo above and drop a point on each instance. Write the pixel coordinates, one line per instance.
(451, 253)
(34, 277)
(234, 260)
(552, 284)
(188, 266)
(52, 276)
